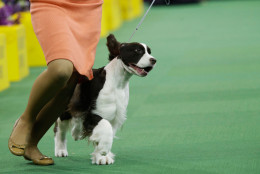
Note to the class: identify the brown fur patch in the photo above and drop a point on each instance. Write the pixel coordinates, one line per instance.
(113, 46)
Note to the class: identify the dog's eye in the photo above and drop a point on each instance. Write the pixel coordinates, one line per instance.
(139, 51)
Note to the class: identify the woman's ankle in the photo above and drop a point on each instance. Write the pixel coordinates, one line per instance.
(25, 118)
(32, 152)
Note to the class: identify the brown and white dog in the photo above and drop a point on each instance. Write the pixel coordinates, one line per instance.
(97, 108)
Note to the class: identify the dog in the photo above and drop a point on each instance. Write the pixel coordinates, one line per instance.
(97, 108)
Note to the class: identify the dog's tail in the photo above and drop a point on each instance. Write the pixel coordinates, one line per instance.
(113, 47)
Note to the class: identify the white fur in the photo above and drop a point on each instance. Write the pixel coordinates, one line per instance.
(102, 138)
(76, 126)
(60, 138)
(145, 60)
(113, 99)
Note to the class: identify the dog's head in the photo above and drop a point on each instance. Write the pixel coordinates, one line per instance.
(136, 57)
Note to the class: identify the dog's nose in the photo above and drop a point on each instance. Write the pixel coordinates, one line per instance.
(153, 60)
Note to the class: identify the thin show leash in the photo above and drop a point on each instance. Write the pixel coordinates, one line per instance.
(139, 24)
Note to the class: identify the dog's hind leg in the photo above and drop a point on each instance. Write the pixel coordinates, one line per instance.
(61, 128)
(76, 128)
(102, 138)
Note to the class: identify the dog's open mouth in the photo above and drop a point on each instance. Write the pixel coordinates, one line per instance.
(141, 71)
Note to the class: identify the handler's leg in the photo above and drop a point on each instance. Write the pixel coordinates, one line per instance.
(46, 118)
(44, 89)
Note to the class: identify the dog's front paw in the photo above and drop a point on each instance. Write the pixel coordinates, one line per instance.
(102, 159)
(61, 153)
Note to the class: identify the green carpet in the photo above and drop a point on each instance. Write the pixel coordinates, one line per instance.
(196, 113)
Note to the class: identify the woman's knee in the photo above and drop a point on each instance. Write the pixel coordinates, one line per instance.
(61, 70)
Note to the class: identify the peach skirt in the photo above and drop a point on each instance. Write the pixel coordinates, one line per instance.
(68, 29)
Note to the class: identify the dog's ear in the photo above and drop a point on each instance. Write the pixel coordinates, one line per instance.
(113, 46)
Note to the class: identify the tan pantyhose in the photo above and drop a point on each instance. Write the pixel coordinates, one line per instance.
(49, 96)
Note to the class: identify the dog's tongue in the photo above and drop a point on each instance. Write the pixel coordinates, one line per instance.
(141, 71)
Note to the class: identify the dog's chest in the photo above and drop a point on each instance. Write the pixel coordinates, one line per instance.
(111, 105)
(112, 101)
